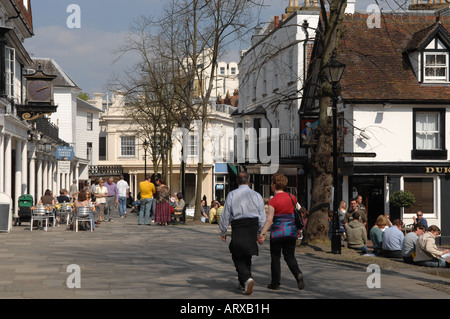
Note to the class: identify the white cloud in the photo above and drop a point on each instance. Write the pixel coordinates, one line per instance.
(86, 55)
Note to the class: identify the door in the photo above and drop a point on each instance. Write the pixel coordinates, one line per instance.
(371, 188)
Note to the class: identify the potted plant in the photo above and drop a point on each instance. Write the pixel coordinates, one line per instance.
(403, 199)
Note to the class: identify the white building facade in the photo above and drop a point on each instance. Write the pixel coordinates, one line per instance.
(271, 79)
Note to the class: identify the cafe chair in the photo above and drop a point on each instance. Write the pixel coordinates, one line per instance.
(39, 213)
(64, 213)
(82, 214)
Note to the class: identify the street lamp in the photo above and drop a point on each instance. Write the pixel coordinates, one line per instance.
(333, 71)
(145, 145)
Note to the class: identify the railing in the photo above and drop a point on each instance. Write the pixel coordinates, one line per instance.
(290, 146)
(105, 170)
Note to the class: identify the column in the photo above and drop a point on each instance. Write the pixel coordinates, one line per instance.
(54, 178)
(2, 163)
(44, 176)
(8, 165)
(24, 167)
(39, 176)
(32, 172)
(58, 179)
(18, 176)
(77, 171)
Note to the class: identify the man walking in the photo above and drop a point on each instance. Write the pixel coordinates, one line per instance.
(112, 199)
(244, 209)
(124, 190)
(147, 189)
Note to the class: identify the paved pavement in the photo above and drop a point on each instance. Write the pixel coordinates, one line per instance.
(121, 259)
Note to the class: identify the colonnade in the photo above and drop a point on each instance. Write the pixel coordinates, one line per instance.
(29, 168)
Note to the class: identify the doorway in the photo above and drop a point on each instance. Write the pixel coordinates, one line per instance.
(371, 188)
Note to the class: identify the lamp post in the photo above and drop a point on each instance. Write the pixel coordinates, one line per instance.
(333, 71)
(145, 145)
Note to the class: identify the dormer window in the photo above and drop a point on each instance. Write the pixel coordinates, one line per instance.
(436, 67)
(429, 50)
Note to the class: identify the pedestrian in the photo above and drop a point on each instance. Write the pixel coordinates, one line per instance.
(162, 211)
(63, 198)
(212, 212)
(73, 190)
(179, 207)
(356, 234)
(420, 219)
(101, 193)
(427, 253)
(393, 240)
(342, 210)
(47, 199)
(360, 204)
(410, 243)
(244, 210)
(283, 234)
(84, 199)
(376, 234)
(124, 189)
(113, 198)
(147, 191)
(354, 209)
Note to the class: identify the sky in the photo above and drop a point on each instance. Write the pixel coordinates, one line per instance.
(87, 51)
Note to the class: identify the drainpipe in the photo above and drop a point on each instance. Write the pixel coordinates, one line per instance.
(305, 25)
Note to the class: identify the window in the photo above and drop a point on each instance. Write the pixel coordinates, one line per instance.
(233, 71)
(127, 146)
(291, 77)
(90, 121)
(436, 66)
(275, 82)
(429, 134)
(222, 70)
(254, 86)
(423, 190)
(9, 71)
(264, 84)
(102, 148)
(192, 145)
(89, 152)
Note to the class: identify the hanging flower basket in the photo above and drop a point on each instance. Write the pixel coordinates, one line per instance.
(403, 199)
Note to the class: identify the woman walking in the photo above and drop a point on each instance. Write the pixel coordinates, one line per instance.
(101, 192)
(283, 235)
(162, 211)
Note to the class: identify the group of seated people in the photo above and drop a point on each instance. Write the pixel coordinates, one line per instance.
(212, 213)
(417, 247)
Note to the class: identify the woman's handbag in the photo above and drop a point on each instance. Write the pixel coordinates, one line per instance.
(297, 215)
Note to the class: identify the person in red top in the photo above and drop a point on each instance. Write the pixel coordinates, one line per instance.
(283, 235)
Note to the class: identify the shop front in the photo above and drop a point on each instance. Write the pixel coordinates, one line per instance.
(376, 182)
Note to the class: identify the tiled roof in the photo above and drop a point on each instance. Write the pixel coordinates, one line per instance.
(378, 67)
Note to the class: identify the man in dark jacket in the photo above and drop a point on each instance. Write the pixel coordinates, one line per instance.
(244, 210)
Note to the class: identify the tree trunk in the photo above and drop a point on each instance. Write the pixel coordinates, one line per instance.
(322, 161)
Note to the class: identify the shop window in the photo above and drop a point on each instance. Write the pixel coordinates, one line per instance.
(423, 190)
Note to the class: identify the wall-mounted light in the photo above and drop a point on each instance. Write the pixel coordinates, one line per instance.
(363, 135)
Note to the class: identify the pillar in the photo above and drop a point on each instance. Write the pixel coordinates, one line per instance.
(8, 165)
(39, 178)
(32, 173)
(18, 177)
(24, 167)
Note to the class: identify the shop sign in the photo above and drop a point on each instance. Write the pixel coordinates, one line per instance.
(437, 170)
